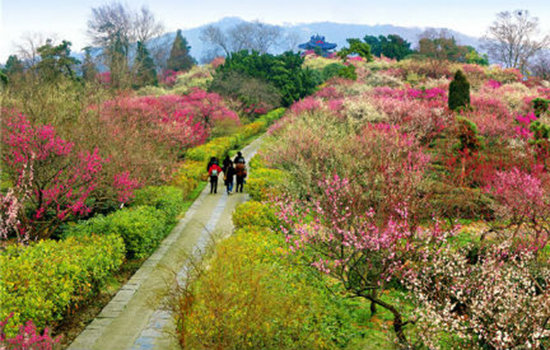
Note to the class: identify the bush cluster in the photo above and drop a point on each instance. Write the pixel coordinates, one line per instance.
(142, 228)
(40, 282)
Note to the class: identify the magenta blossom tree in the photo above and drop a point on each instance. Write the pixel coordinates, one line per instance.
(52, 182)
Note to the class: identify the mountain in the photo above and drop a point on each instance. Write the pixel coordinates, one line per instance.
(333, 32)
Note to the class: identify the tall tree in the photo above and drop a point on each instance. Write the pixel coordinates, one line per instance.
(146, 71)
(115, 27)
(56, 61)
(179, 59)
(89, 69)
(514, 38)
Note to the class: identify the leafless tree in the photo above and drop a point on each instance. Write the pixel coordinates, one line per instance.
(291, 41)
(252, 36)
(115, 28)
(540, 65)
(27, 49)
(146, 25)
(514, 38)
(216, 38)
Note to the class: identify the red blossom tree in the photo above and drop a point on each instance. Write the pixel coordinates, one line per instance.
(52, 181)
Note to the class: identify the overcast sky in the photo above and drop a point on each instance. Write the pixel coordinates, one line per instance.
(66, 19)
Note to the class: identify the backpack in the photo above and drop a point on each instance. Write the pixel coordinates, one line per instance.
(214, 172)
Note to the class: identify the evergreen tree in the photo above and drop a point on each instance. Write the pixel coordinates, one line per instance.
(146, 70)
(459, 91)
(179, 59)
(56, 61)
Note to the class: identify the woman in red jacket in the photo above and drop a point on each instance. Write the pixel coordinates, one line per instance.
(214, 171)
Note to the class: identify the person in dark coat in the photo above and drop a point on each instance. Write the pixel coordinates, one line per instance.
(226, 163)
(229, 175)
(239, 159)
(214, 171)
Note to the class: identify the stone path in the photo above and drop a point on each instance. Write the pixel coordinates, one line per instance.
(134, 319)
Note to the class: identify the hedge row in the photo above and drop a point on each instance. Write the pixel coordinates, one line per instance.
(142, 226)
(40, 282)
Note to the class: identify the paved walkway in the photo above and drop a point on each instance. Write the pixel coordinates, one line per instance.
(134, 319)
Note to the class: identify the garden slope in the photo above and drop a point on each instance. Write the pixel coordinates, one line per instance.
(133, 319)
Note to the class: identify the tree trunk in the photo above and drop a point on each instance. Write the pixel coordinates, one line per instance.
(398, 324)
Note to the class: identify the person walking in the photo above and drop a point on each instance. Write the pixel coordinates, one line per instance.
(213, 160)
(229, 175)
(226, 163)
(240, 171)
(214, 171)
(239, 159)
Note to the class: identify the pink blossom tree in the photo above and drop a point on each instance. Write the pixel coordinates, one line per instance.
(522, 200)
(347, 242)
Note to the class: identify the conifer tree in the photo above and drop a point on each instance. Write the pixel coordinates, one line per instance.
(179, 59)
(459, 92)
(146, 70)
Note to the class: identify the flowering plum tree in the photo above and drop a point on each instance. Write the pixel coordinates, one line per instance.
(499, 300)
(522, 199)
(346, 241)
(52, 181)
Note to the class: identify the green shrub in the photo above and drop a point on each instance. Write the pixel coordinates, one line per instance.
(142, 228)
(41, 281)
(254, 213)
(168, 199)
(332, 70)
(254, 296)
(540, 105)
(263, 182)
(459, 91)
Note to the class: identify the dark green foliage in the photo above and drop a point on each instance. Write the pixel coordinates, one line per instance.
(348, 72)
(146, 70)
(3, 78)
(459, 92)
(56, 61)
(540, 105)
(142, 228)
(332, 70)
(179, 59)
(391, 46)
(541, 138)
(168, 199)
(468, 135)
(356, 46)
(284, 72)
(247, 92)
